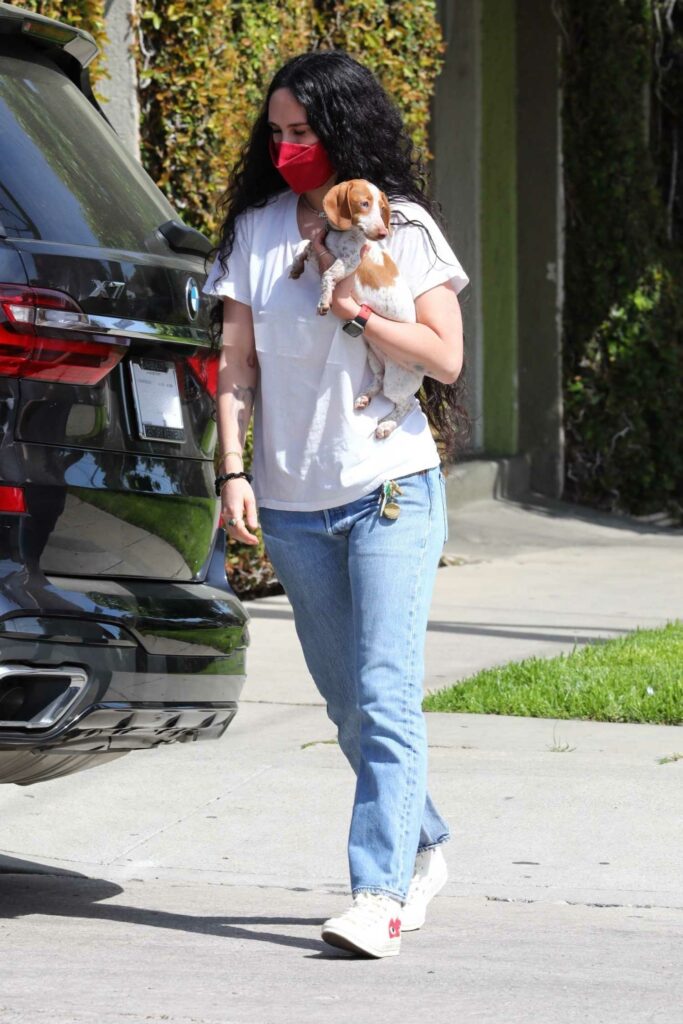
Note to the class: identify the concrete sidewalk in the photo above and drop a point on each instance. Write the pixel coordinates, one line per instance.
(525, 580)
(188, 884)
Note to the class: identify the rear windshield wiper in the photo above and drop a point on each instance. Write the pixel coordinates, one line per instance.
(182, 238)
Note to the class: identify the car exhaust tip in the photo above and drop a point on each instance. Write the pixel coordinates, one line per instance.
(37, 698)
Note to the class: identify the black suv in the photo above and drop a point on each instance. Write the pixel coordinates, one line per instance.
(118, 629)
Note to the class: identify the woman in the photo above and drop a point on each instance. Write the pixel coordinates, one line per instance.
(359, 580)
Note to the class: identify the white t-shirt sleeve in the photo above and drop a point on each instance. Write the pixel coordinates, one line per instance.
(234, 282)
(422, 264)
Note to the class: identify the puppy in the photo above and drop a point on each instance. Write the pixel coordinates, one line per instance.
(358, 216)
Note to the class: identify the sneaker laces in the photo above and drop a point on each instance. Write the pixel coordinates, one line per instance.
(418, 883)
(372, 906)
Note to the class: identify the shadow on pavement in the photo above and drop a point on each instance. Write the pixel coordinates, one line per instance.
(15, 866)
(258, 611)
(515, 631)
(28, 888)
(511, 631)
(559, 510)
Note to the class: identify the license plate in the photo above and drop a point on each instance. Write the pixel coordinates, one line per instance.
(157, 401)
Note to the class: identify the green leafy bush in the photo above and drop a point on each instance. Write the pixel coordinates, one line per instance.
(623, 304)
(623, 405)
(204, 67)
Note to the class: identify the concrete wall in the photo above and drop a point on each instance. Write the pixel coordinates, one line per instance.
(539, 244)
(497, 173)
(118, 93)
(456, 144)
(499, 226)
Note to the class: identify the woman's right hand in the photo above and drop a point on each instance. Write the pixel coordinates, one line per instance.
(238, 502)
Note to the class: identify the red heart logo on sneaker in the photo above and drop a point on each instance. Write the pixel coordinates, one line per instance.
(395, 928)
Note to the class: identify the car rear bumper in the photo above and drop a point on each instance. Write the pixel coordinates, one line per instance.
(130, 699)
(148, 663)
(120, 726)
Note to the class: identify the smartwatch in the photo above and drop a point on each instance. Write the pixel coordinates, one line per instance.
(356, 326)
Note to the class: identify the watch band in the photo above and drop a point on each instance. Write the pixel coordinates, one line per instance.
(362, 316)
(356, 326)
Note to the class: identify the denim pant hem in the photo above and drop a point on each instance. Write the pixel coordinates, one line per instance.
(376, 891)
(432, 846)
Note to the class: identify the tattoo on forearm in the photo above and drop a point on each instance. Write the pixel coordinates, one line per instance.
(244, 393)
(244, 399)
(419, 368)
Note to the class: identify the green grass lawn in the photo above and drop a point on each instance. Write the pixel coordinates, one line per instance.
(635, 679)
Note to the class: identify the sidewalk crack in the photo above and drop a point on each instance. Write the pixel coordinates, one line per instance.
(185, 817)
(581, 903)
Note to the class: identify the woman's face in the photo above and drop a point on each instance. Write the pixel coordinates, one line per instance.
(288, 120)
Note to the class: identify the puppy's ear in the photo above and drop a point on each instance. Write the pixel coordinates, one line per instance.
(385, 211)
(336, 206)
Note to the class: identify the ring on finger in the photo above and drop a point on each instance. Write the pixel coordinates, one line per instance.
(233, 522)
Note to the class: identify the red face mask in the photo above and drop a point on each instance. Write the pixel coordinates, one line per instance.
(302, 167)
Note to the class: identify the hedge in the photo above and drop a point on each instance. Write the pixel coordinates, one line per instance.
(623, 302)
(204, 66)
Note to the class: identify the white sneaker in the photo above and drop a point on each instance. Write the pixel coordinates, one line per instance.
(371, 926)
(429, 878)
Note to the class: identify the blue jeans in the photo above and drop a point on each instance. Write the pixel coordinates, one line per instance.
(360, 585)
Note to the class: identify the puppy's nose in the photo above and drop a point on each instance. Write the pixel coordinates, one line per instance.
(382, 232)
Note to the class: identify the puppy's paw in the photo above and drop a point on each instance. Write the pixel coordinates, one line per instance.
(296, 272)
(385, 428)
(323, 309)
(362, 402)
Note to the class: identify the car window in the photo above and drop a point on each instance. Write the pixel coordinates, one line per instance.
(64, 174)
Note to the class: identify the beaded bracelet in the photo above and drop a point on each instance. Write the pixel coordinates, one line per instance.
(224, 477)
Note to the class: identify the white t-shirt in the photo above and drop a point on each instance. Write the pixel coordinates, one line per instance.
(312, 449)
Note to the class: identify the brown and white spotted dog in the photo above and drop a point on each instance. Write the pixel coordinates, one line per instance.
(358, 216)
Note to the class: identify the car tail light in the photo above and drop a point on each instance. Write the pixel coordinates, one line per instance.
(45, 337)
(12, 499)
(205, 368)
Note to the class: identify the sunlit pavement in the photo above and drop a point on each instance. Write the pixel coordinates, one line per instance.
(188, 884)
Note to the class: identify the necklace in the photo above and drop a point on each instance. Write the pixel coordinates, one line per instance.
(308, 204)
(309, 218)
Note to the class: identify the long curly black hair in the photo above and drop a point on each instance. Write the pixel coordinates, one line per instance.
(364, 136)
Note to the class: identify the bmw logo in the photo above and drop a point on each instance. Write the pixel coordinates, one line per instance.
(192, 297)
